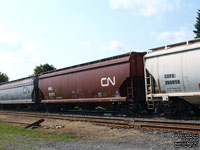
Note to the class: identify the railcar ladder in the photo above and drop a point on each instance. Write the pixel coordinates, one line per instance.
(130, 95)
(130, 92)
(149, 91)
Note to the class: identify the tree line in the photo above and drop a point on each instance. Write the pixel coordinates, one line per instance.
(46, 67)
(197, 25)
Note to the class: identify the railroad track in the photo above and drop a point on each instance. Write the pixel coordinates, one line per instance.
(13, 122)
(114, 122)
(169, 125)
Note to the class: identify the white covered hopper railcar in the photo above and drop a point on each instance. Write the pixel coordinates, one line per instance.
(173, 71)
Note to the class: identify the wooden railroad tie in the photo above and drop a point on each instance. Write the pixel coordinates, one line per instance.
(35, 124)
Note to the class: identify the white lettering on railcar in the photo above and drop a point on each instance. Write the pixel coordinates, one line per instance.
(50, 88)
(52, 94)
(107, 81)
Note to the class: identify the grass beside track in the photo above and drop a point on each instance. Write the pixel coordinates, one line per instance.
(19, 138)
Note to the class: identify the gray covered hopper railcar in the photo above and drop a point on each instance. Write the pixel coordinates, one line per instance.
(17, 92)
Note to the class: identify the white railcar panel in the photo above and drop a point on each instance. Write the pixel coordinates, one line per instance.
(152, 66)
(170, 73)
(191, 71)
(177, 71)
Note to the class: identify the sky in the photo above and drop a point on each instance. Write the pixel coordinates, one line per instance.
(65, 32)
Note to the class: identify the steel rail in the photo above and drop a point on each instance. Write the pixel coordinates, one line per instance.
(95, 120)
(174, 126)
(168, 123)
(171, 128)
(14, 122)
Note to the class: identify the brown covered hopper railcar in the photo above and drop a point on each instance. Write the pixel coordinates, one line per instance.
(116, 79)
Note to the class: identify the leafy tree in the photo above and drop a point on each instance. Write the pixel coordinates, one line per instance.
(197, 25)
(3, 77)
(43, 68)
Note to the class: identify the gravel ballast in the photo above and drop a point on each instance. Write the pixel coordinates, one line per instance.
(93, 137)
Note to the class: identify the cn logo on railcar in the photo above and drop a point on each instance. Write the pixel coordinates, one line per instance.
(107, 81)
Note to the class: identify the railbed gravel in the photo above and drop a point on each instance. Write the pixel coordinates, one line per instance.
(151, 140)
(93, 137)
(146, 139)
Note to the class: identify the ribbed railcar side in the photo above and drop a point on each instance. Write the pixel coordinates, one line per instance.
(100, 81)
(17, 92)
(175, 71)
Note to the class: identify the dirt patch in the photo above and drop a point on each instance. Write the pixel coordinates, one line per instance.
(88, 129)
(3, 117)
(81, 129)
(90, 136)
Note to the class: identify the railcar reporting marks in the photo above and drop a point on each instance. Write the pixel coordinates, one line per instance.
(170, 82)
(107, 81)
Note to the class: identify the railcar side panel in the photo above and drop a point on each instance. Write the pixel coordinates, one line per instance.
(175, 71)
(102, 81)
(19, 91)
(94, 83)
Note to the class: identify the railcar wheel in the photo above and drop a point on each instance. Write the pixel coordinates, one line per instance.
(49, 108)
(181, 109)
(184, 110)
(121, 108)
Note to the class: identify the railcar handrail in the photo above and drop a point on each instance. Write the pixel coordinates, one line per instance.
(175, 45)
